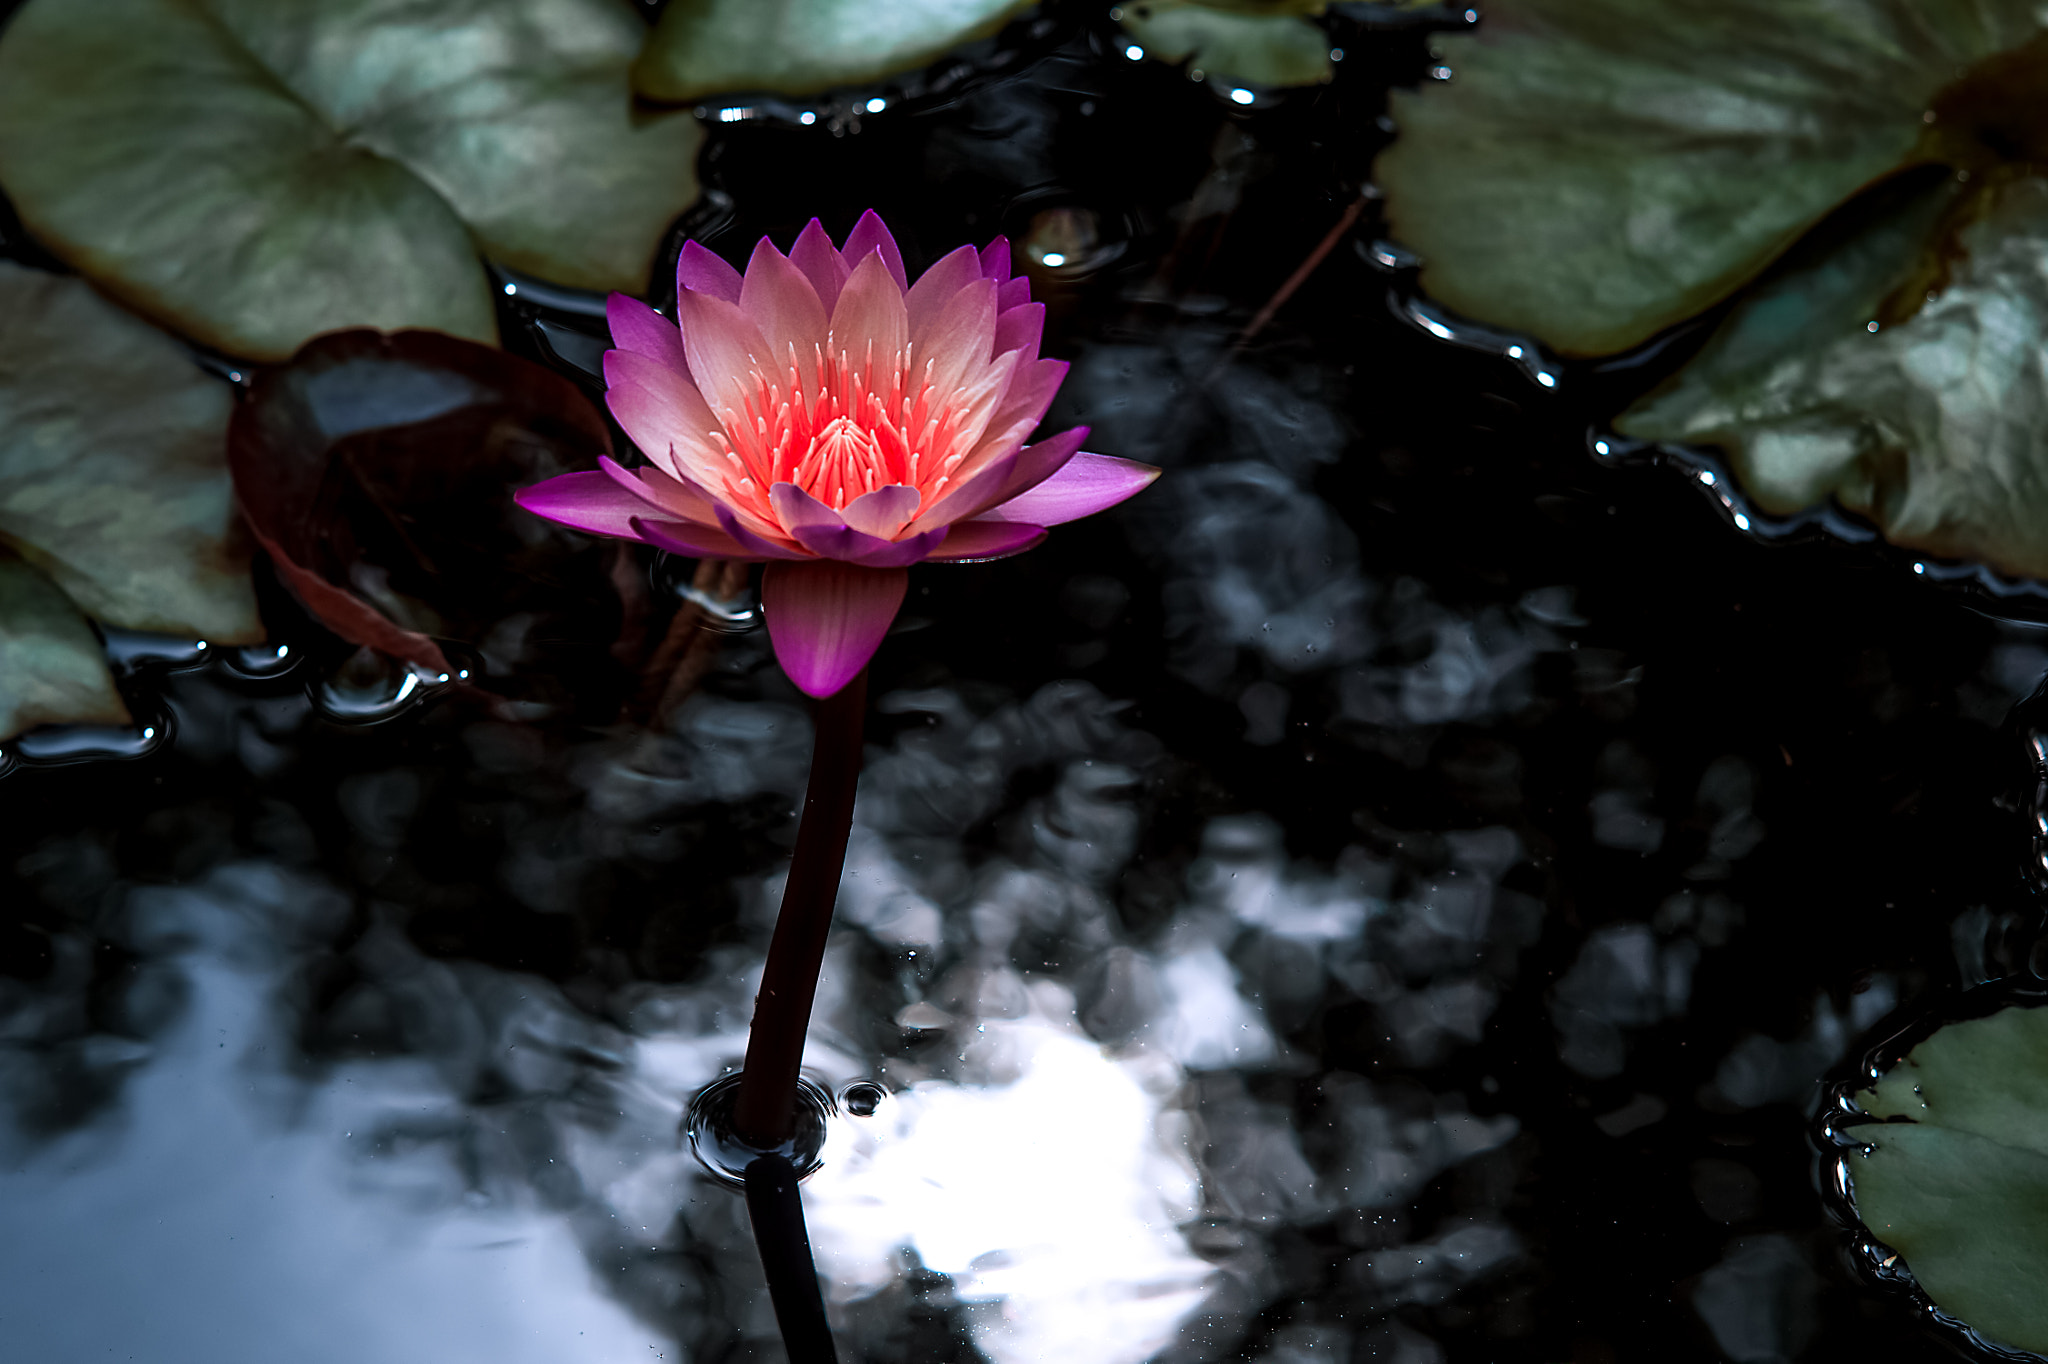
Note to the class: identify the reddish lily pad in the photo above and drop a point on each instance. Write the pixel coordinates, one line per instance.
(378, 471)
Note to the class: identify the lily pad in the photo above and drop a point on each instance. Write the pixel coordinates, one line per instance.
(52, 668)
(1257, 44)
(1960, 1187)
(802, 47)
(378, 471)
(1595, 171)
(113, 472)
(1933, 424)
(254, 172)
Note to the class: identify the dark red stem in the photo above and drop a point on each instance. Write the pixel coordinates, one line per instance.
(766, 1113)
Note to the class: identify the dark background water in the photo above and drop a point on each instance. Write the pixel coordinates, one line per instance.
(1632, 823)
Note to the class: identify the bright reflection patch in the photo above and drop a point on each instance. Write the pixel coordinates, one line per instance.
(1052, 1194)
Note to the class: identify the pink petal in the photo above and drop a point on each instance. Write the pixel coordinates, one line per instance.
(662, 412)
(821, 263)
(870, 235)
(1031, 392)
(587, 502)
(1020, 328)
(1014, 293)
(995, 260)
(724, 347)
(883, 512)
(638, 328)
(781, 301)
(689, 539)
(677, 497)
(870, 308)
(935, 288)
(980, 541)
(707, 273)
(827, 619)
(825, 533)
(959, 340)
(1084, 485)
(757, 546)
(1003, 477)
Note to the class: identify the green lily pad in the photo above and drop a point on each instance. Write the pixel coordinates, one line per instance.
(802, 47)
(255, 172)
(1960, 1189)
(1595, 171)
(52, 669)
(113, 464)
(1910, 393)
(1269, 44)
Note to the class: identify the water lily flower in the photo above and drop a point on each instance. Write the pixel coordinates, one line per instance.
(823, 414)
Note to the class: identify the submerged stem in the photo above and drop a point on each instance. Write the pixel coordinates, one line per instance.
(766, 1112)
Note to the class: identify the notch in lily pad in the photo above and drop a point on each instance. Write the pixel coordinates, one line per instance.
(1944, 1162)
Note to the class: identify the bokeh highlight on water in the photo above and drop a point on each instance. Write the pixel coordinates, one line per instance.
(1389, 894)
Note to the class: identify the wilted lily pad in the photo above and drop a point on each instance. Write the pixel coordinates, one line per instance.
(378, 471)
(1256, 43)
(113, 473)
(1961, 1188)
(1597, 170)
(1934, 425)
(803, 47)
(52, 668)
(254, 172)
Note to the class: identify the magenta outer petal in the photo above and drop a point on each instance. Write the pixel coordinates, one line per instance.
(1084, 485)
(638, 328)
(689, 540)
(995, 260)
(872, 234)
(827, 619)
(588, 502)
(1014, 293)
(677, 497)
(756, 546)
(1020, 329)
(707, 273)
(978, 541)
(1003, 478)
(821, 263)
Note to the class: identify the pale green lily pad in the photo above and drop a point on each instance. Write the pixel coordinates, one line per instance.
(803, 47)
(1961, 1191)
(1935, 425)
(113, 464)
(255, 172)
(52, 668)
(1270, 45)
(1597, 170)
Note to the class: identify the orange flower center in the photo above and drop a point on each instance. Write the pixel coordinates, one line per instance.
(863, 425)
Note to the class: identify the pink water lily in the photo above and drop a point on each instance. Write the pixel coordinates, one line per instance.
(827, 416)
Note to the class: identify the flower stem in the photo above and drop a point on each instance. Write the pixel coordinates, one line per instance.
(765, 1115)
(777, 1213)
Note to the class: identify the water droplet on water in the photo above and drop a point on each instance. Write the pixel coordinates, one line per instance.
(368, 689)
(707, 1126)
(862, 1098)
(129, 649)
(261, 662)
(58, 745)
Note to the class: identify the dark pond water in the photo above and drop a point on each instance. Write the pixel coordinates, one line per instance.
(1388, 893)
